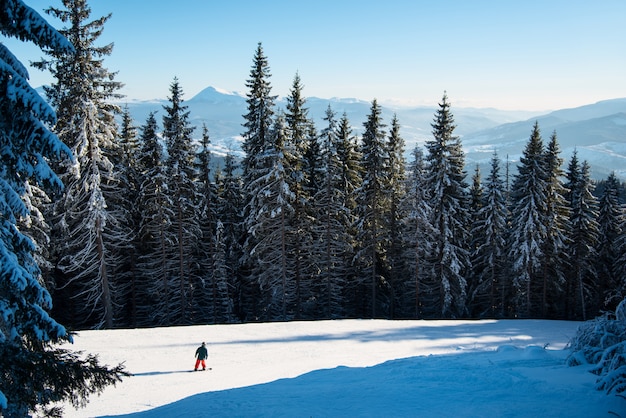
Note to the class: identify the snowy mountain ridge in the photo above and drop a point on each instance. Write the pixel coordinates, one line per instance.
(597, 131)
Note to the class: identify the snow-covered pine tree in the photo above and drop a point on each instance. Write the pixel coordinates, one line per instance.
(556, 215)
(491, 291)
(447, 189)
(475, 240)
(87, 230)
(350, 163)
(611, 218)
(124, 158)
(258, 123)
(583, 240)
(33, 373)
(229, 213)
(332, 252)
(372, 205)
(211, 299)
(299, 240)
(417, 241)
(155, 207)
(396, 214)
(528, 224)
(184, 229)
(259, 118)
(269, 212)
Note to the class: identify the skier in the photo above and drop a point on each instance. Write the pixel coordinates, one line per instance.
(201, 354)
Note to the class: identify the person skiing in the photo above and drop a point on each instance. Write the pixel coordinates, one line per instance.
(201, 355)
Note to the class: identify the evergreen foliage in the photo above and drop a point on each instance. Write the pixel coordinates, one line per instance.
(88, 231)
(490, 290)
(312, 224)
(449, 201)
(417, 237)
(529, 227)
(372, 205)
(183, 229)
(611, 279)
(34, 374)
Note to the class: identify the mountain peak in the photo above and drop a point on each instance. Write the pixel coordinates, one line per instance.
(215, 94)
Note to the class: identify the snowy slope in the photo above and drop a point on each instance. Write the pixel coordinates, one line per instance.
(349, 368)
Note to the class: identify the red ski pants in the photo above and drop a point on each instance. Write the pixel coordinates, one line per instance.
(198, 363)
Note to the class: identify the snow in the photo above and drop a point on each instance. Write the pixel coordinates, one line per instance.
(513, 368)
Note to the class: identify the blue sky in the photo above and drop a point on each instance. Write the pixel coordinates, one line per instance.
(530, 55)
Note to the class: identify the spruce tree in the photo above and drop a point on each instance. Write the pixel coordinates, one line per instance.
(556, 215)
(395, 215)
(229, 215)
(211, 301)
(528, 224)
(417, 238)
(300, 240)
(258, 123)
(351, 180)
(124, 157)
(332, 251)
(154, 205)
(259, 118)
(88, 231)
(270, 209)
(583, 239)
(490, 291)
(372, 204)
(184, 229)
(34, 374)
(611, 217)
(450, 219)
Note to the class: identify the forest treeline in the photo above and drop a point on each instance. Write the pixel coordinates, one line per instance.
(314, 222)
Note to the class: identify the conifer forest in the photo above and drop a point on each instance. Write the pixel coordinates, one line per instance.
(314, 222)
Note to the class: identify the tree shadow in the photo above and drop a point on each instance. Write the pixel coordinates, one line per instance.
(162, 373)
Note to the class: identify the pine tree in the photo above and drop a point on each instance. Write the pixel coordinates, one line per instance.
(125, 164)
(450, 219)
(476, 239)
(372, 204)
(611, 217)
(155, 206)
(395, 216)
(229, 211)
(299, 240)
(259, 118)
(183, 197)
(528, 224)
(351, 180)
(556, 214)
(88, 230)
(417, 239)
(583, 238)
(33, 373)
(332, 254)
(271, 207)
(490, 292)
(211, 301)
(258, 123)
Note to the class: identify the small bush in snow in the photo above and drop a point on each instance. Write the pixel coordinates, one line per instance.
(602, 343)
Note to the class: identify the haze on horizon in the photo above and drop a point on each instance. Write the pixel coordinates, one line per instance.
(510, 55)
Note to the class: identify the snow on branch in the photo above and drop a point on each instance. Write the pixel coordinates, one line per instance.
(602, 343)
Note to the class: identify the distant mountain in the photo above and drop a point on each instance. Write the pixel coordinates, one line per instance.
(597, 131)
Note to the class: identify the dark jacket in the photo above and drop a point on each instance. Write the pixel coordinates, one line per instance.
(202, 353)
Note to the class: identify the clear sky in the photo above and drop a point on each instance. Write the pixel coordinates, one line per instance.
(507, 54)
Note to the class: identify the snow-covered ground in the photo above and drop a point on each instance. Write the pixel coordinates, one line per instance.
(356, 368)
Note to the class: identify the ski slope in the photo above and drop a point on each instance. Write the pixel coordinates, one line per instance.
(357, 368)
